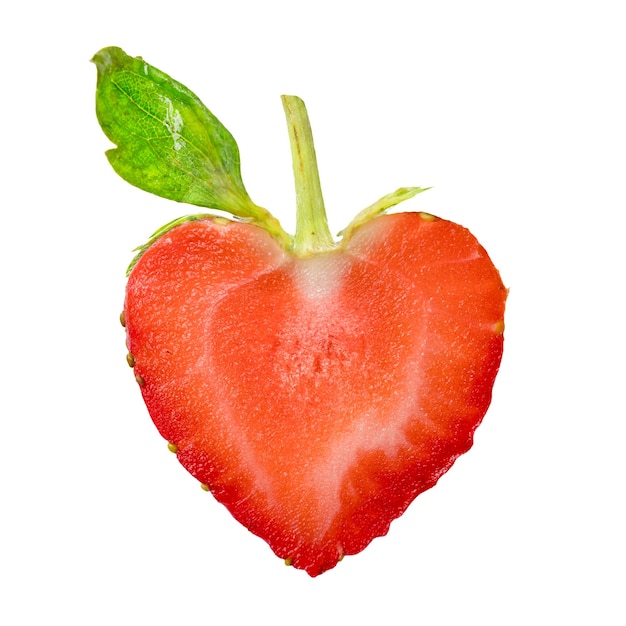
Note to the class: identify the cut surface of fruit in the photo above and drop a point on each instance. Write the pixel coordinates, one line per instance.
(317, 397)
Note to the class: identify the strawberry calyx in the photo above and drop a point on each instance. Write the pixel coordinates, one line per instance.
(168, 143)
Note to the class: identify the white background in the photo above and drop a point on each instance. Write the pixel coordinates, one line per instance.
(514, 113)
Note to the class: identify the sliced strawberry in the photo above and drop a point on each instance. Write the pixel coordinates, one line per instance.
(315, 387)
(317, 397)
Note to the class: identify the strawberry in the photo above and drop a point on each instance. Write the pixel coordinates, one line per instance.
(315, 387)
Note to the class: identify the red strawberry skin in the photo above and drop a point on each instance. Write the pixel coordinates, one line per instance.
(317, 396)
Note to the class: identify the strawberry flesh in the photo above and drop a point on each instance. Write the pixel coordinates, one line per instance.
(317, 396)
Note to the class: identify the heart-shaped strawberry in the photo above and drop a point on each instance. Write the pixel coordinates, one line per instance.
(314, 387)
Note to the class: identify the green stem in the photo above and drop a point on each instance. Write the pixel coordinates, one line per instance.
(312, 232)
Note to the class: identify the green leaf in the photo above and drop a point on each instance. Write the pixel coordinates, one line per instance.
(168, 142)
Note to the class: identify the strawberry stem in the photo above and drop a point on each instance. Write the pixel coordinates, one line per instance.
(312, 232)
